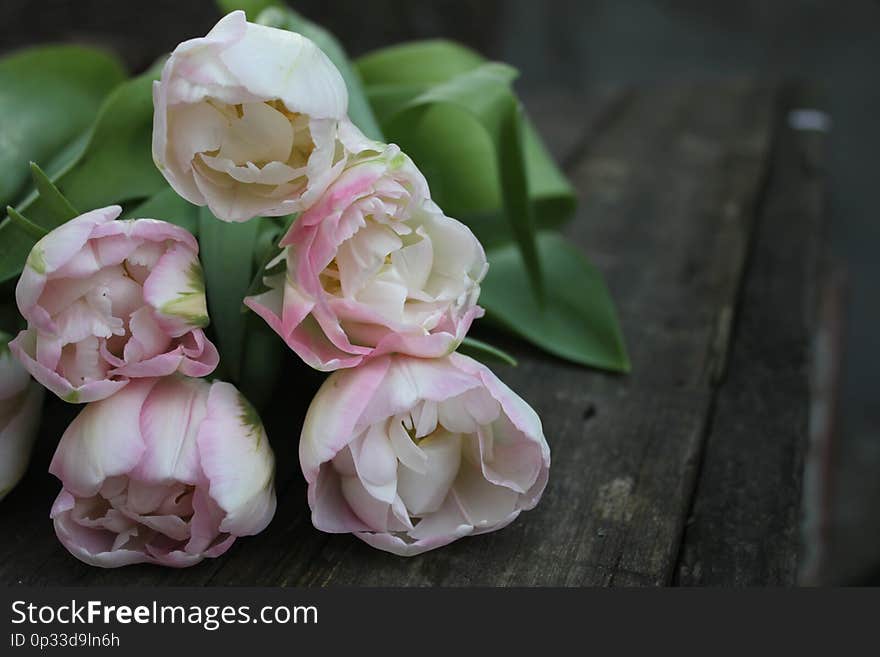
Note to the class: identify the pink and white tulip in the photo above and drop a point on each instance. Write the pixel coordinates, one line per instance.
(374, 267)
(251, 120)
(109, 301)
(410, 454)
(21, 399)
(167, 471)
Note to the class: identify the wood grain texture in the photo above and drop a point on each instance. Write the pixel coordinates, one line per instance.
(669, 179)
(744, 526)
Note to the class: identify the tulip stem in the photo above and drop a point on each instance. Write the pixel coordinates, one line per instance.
(28, 226)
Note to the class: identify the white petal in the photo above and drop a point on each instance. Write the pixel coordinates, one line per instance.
(261, 135)
(371, 511)
(361, 256)
(410, 454)
(426, 418)
(170, 421)
(454, 415)
(195, 128)
(376, 463)
(482, 502)
(424, 493)
(447, 520)
(387, 299)
(413, 264)
(272, 63)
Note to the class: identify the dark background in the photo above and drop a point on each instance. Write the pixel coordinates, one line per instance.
(575, 47)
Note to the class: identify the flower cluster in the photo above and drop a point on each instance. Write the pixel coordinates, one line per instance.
(159, 467)
(407, 444)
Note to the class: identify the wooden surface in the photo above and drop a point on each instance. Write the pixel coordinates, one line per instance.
(704, 211)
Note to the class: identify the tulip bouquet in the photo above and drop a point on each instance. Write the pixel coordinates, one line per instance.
(258, 178)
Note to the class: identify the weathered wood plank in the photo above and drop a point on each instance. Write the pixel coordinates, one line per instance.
(668, 189)
(744, 526)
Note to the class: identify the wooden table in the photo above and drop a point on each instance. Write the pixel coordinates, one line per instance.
(704, 211)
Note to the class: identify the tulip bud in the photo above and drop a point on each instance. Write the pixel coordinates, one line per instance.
(166, 471)
(411, 454)
(21, 399)
(251, 120)
(374, 267)
(108, 301)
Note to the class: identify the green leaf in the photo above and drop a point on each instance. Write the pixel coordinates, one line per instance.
(417, 63)
(18, 234)
(16, 241)
(485, 352)
(112, 164)
(576, 321)
(431, 128)
(464, 175)
(168, 206)
(359, 110)
(48, 96)
(396, 75)
(267, 250)
(10, 319)
(226, 251)
(261, 361)
(117, 163)
(56, 204)
(252, 8)
(553, 198)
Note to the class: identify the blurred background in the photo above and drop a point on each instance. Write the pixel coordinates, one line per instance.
(575, 47)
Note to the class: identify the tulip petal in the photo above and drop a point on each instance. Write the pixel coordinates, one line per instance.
(438, 529)
(176, 290)
(508, 458)
(272, 63)
(331, 511)
(237, 461)
(483, 503)
(147, 338)
(92, 546)
(424, 493)
(19, 421)
(376, 463)
(23, 347)
(170, 419)
(405, 448)
(372, 511)
(102, 441)
(334, 413)
(56, 248)
(262, 134)
(206, 521)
